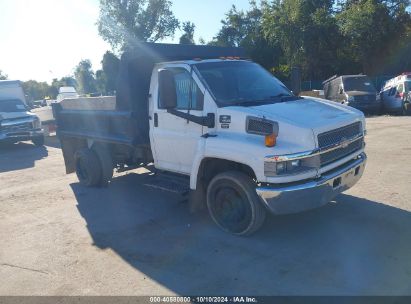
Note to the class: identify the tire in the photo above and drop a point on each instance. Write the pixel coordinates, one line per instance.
(234, 205)
(38, 141)
(88, 167)
(403, 110)
(106, 163)
(407, 108)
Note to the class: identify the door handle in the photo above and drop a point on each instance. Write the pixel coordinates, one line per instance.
(155, 120)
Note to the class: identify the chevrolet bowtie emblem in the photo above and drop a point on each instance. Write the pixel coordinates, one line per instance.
(344, 142)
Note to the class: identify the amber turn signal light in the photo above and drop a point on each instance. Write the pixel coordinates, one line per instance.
(270, 140)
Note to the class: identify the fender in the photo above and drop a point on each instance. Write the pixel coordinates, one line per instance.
(216, 147)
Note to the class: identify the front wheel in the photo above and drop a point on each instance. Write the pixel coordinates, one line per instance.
(233, 203)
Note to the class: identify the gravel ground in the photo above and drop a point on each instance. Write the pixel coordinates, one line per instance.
(58, 238)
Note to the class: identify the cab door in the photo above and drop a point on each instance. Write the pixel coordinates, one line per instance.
(176, 139)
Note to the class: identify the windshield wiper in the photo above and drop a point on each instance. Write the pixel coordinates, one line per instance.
(268, 100)
(252, 102)
(286, 97)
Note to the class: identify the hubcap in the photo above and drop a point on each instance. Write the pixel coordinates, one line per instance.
(231, 208)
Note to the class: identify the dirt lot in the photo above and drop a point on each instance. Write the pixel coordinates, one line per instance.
(58, 238)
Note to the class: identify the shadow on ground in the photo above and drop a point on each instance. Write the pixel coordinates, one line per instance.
(52, 141)
(20, 156)
(352, 247)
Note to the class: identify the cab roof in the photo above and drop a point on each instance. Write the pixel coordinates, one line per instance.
(193, 62)
(162, 52)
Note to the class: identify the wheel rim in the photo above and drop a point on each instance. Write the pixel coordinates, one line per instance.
(230, 208)
(81, 170)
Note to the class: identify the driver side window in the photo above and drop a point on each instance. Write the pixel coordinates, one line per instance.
(189, 95)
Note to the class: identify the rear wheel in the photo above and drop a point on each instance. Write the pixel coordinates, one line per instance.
(88, 167)
(403, 110)
(406, 108)
(233, 203)
(106, 163)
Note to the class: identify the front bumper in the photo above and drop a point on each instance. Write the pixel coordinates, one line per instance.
(21, 136)
(297, 197)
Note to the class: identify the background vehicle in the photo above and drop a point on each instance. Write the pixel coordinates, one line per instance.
(17, 123)
(224, 130)
(395, 94)
(354, 90)
(67, 92)
(39, 103)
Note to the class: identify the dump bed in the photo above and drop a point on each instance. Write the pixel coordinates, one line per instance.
(100, 125)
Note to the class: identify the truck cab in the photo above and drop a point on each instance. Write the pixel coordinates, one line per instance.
(245, 144)
(17, 123)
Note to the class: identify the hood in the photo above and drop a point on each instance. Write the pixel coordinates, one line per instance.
(299, 121)
(14, 115)
(317, 114)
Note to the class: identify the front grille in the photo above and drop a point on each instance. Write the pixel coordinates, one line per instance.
(339, 135)
(365, 98)
(334, 155)
(17, 128)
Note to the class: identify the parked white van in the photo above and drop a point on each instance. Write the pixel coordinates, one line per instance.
(395, 94)
(67, 92)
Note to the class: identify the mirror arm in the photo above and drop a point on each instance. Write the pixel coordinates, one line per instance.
(206, 121)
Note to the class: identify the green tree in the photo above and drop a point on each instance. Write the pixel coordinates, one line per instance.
(124, 23)
(35, 90)
(243, 28)
(306, 32)
(101, 82)
(372, 30)
(106, 78)
(111, 67)
(84, 75)
(188, 35)
(3, 76)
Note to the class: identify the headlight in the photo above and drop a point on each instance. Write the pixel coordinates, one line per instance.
(291, 167)
(288, 167)
(36, 123)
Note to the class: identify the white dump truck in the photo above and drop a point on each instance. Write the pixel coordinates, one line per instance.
(221, 127)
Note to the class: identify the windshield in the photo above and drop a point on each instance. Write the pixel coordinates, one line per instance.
(12, 105)
(242, 82)
(360, 83)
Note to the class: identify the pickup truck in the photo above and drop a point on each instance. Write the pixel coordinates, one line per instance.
(17, 123)
(208, 117)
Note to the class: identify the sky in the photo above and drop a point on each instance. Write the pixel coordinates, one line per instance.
(46, 39)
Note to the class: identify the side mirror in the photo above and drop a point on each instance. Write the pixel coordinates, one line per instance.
(167, 90)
